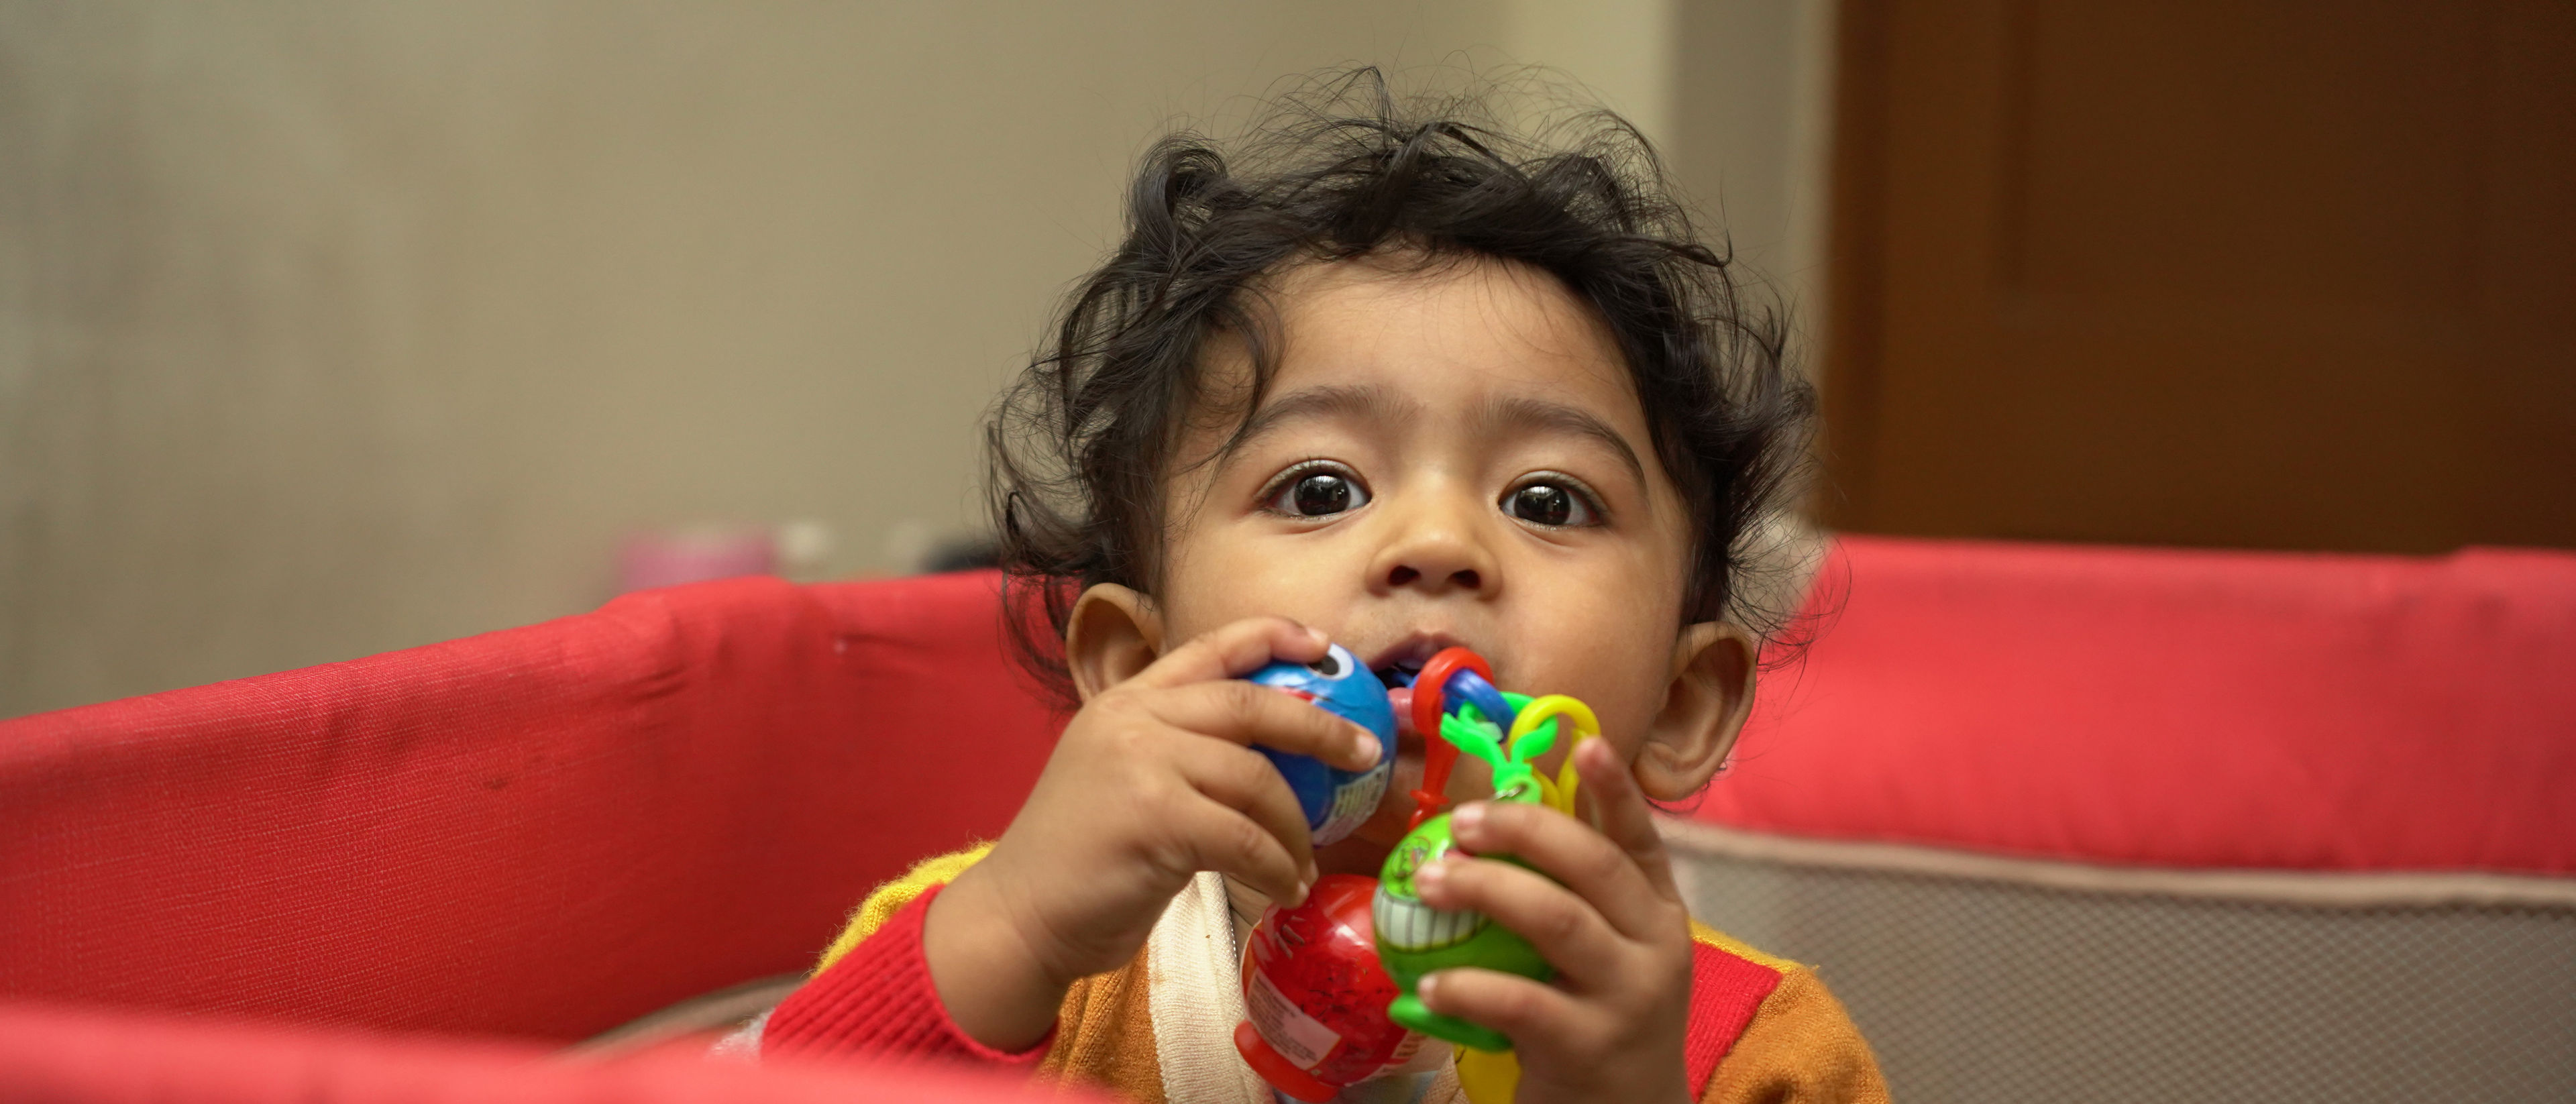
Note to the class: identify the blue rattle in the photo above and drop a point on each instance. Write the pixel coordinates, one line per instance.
(1336, 801)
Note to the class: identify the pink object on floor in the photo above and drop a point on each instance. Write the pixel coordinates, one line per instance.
(650, 560)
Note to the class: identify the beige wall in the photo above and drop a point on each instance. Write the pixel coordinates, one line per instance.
(1751, 90)
(333, 328)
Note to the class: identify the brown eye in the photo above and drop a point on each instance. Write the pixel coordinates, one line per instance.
(1319, 494)
(1550, 504)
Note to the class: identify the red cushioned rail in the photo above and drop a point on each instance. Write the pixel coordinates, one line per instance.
(2179, 708)
(546, 831)
(54, 1054)
(550, 830)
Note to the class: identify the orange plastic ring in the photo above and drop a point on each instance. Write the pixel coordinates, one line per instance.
(1427, 707)
(1438, 755)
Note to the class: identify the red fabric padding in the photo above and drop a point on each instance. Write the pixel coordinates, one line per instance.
(57, 1054)
(2191, 709)
(546, 831)
(1726, 991)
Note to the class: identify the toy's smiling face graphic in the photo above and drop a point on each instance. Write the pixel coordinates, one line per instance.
(1402, 922)
(1410, 857)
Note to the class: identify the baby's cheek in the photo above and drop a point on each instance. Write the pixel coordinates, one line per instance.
(1626, 743)
(1621, 678)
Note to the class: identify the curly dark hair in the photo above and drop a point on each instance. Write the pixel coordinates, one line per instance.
(1340, 168)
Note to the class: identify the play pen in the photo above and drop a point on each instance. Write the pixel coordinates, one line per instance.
(2057, 823)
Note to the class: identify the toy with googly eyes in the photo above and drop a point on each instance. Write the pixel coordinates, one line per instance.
(1336, 801)
(1314, 994)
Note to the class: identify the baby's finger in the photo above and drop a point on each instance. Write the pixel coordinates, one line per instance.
(1241, 779)
(1565, 929)
(1236, 649)
(1525, 1011)
(1597, 870)
(1226, 841)
(1249, 713)
(1620, 808)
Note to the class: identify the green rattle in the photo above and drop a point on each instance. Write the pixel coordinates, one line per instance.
(1414, 939)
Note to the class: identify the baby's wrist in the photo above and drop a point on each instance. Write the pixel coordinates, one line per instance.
(994, 987)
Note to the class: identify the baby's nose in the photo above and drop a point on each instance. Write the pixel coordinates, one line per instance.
(1440, 552)
(1465, 578)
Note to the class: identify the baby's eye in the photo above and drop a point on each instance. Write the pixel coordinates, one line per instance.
(1552, 504)
(1318, 494)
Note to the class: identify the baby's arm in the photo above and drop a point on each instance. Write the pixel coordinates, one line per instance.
(1152, 782)
(873, 995)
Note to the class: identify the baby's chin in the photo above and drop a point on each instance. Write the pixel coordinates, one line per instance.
(1362, 852)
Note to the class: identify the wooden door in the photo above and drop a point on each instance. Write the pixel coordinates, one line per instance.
(2276, 274)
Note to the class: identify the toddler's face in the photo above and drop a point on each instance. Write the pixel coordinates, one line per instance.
(1450, 457)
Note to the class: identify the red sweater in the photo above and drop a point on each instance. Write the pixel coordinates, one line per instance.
(878, 1000)
(1760, 1028)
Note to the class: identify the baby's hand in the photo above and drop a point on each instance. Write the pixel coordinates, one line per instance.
(1152, 782)
(1611, 1026)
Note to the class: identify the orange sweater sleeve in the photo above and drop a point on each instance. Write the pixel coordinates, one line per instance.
(1800, 1048)
(1764, 1030)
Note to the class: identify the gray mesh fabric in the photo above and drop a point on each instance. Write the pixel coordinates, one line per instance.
(1992, 990)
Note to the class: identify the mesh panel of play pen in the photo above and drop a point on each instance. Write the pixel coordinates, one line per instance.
(1999, 981)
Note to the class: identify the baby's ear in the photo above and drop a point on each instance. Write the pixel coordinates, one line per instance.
(1113, 633)
(1704, 708)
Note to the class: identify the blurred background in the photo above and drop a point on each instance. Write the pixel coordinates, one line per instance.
(334, 328)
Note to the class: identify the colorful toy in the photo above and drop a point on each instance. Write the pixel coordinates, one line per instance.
(1336, 801)
(1324, 1012)
(1315, 996)
(1455, 697)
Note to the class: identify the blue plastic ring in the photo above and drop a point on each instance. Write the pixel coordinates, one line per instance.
(1466, 687)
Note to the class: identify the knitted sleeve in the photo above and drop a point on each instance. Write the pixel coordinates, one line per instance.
(885, 899)
(1800, 1048)
(1763, 1030)
(873, 994)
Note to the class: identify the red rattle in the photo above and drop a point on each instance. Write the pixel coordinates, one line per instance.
(1315, 995)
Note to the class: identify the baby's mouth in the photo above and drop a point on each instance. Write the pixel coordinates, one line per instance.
(1398, 665)
(1400, 674)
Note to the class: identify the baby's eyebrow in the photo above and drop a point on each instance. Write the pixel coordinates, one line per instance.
(1524, 413)
(1364, 402)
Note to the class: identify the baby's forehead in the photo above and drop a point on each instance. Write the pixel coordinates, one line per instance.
(1428, 335)
(1360, 293)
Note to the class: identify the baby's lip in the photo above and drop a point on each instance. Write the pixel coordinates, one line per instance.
(1413, 651)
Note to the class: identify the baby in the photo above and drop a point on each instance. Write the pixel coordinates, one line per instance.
(1399, 384)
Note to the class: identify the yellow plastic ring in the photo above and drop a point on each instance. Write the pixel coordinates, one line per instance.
(1586, 727)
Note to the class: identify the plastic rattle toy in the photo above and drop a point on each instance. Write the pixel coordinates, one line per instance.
(1455, 697)
(1336, 801)
(1315, 997)
(1322, 1011)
